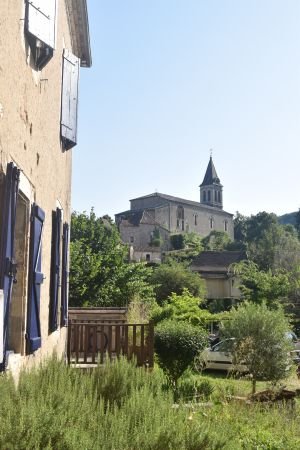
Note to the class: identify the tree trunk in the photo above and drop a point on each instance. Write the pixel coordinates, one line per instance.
(253, 386)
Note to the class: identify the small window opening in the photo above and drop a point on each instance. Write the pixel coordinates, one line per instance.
(148, 257)
(208, 196)
(211, 222)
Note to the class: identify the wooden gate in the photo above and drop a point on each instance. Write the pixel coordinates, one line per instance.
(90, 342)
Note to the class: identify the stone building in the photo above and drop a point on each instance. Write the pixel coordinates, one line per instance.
(43, 44)
(216, 270)
(153, 218)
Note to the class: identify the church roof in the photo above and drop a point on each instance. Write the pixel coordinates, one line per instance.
(171, 198)
(211, 176)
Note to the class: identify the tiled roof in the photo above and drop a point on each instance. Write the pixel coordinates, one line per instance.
(170, 198)
(217, 260)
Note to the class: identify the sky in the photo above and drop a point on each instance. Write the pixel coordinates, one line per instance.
(172, 79)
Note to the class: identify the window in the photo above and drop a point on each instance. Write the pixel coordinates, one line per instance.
(208, 196)
(64, 276)
(180, 217)
(225, 225)
(148, 257)
(196, 219)
(219, 197)
(204, 196)
(131, 239)
(69, 100)
(211, 222)
(40, 28)
(216, 196)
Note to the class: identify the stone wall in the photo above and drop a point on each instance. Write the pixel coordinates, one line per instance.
(30, 105)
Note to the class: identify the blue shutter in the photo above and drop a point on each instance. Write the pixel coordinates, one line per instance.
(69, 99)
(55, 269)
(7, 263)
(64, 276)
(40, 20)
(35, 279)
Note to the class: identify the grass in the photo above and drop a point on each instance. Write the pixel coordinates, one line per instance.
(120, 407)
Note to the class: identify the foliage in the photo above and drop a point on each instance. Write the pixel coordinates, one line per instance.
(156, 239)
(177, 241)
(259, 286)
(216, 241)
(193, 389)
(120, 407)
(268, 243)
(99, 273)
(176, 345)
(173, 277)
(260, 343)
(113, 407)
(184, 307)
(185, 247)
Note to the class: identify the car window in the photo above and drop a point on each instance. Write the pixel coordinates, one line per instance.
(224, 346)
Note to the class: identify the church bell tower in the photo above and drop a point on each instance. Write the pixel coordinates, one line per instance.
(211, 188)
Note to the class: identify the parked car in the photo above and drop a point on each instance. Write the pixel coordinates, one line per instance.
(292, 337)
(219, 357)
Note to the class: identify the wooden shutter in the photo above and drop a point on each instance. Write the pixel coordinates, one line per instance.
(35, 279)
(64, 276)
(40, 20)
(7, 263)
(55, 269)
(69, 99)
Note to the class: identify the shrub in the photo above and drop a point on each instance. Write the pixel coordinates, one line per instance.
(176, 345)
(191, 389)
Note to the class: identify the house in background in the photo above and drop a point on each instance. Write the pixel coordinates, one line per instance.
(215, 268)
(45, 44)
(153, 218)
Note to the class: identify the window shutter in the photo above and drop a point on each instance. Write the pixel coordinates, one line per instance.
(33, 334)
(40, 20)
(7, 263)
(69, 99)
(55, 269)
(64, 276)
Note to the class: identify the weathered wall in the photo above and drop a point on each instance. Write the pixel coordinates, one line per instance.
(30, 104)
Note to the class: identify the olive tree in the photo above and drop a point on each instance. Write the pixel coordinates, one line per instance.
(260, 341)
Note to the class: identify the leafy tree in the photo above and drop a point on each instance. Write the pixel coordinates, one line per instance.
(216, 240)
(99, 273)
(176, 345)
(174, 277)
(298, 222)
(260, 343)
(258, 286)
(184, 307)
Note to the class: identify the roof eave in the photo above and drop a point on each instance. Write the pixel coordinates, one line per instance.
(79, 29)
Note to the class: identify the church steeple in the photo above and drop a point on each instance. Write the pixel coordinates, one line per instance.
(211, 187)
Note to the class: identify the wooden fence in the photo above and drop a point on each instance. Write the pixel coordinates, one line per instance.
(90, 342)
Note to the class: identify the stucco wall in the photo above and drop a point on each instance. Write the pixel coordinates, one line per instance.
(30, 104)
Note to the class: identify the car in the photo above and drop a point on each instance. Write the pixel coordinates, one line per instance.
(219, 357)
(292, 337)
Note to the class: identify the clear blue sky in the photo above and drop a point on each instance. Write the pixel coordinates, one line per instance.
(172, 79)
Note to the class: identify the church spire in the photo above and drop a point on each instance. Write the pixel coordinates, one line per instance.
(211, 187)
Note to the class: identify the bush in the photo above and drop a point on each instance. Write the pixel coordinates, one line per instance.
(174, 277)
(191, 389)
(113, 407)
(176, 345)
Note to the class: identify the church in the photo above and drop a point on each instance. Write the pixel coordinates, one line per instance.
(154, 218)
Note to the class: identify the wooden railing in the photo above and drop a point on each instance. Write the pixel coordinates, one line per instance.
(90, 342)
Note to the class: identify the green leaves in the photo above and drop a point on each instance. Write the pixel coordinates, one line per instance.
(99, 273)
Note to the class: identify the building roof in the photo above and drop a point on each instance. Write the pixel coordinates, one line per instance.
(211, 176)
(216, 261)
(79, 29)
(170, 198)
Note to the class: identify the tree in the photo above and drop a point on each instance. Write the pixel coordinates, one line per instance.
(216, 240)
(174, 277)
(176, 346)
(99, 273)
(183, 308)
(259, 286)
(260, 341)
